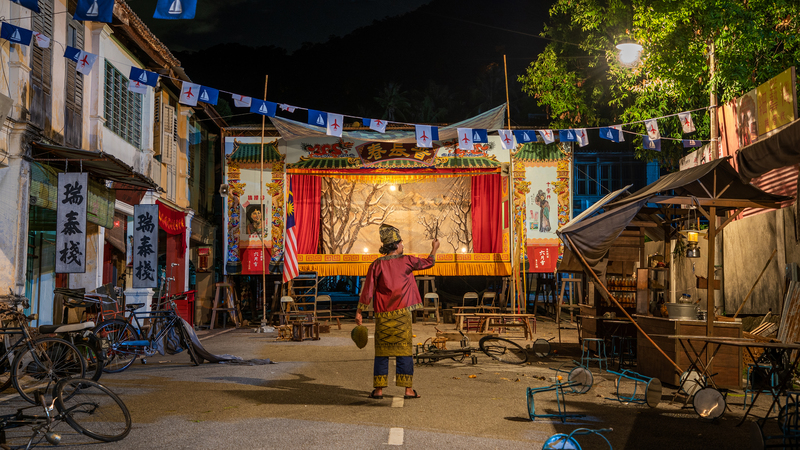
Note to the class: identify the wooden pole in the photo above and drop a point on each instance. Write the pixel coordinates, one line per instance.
(512, 220)
(754, 284)
(711, 314)
(597, 279)
(263, 217)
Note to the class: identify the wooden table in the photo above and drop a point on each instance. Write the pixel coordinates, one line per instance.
(526, 321)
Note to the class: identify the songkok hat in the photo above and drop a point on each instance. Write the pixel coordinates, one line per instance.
(389, 234)
(360, 336)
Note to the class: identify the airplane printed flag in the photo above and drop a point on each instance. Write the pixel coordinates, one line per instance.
(263, 107)
(465, 138)
(652, 129)
(317, 118)
(95, 10)
(288, 108)
(525, 136)
(611, 134)
(84, 61)
(137, 87)
(583, 139)
(547, 136)
(42, 41)
(375, 124)
(686, 122)
(335, 124)
(651, 144)
(33, 5)
(175, 9)
(567, 136)
(144, 77)
(425, 135)
(189, 94)
(208, 95)
(687, 143)
(240, 101)
(15, 35)
(506, 139)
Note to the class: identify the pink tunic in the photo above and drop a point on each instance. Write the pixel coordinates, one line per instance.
(391, 285)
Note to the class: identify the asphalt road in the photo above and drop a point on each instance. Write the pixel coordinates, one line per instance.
(315, 396)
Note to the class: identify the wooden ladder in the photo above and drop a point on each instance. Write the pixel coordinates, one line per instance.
(224, 303)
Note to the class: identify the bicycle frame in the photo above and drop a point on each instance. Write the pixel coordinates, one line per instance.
(168, 319)
(37, 422)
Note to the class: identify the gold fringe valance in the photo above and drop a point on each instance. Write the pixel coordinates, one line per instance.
(448, 269)
(379, 178)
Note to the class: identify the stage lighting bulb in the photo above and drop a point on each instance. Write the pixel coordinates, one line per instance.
(366, 249)
(392, 188)
(463, 249)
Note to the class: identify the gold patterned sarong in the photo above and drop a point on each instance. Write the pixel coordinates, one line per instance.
(393, 333)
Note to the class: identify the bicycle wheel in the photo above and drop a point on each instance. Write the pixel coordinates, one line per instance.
(94, 363)
(187, 343)
(115, 331)
(503, 350)
(52, 359)
(92, 409)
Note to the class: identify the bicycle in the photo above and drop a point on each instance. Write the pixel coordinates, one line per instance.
(88, 407)
(32, 363)
(499, 349)
(126, 342)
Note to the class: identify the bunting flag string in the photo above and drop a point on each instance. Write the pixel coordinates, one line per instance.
(333, 123)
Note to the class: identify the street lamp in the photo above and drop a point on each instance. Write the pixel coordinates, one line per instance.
(629, 53)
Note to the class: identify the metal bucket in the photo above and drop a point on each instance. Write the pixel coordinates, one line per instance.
(686, 311)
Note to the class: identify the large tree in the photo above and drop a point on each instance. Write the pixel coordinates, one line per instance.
(580, 82)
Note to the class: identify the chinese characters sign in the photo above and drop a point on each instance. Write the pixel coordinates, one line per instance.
(374, 152)
(71, 223)
(145, 246)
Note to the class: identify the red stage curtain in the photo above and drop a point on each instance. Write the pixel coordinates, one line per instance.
(307, 192)
(486, 218)
(173, 222)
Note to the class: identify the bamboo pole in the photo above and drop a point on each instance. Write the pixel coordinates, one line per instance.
(263, 217)
(512, 295)
(597, 279)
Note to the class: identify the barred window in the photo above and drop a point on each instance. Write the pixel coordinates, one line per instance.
(123, 107)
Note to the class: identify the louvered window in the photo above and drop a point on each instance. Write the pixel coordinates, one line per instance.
(42, 66)
(73, 96)
(123, 107)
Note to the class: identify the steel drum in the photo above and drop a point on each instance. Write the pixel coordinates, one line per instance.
(709, 403)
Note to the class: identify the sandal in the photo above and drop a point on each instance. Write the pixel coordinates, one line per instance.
(412, 396)
(376, 397)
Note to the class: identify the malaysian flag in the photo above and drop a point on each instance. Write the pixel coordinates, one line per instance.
(290, 267)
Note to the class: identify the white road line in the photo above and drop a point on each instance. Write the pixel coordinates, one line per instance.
(395, 436)
(397, 402)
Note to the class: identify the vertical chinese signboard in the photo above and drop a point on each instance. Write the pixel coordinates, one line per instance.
(71, 223)
(145, 246)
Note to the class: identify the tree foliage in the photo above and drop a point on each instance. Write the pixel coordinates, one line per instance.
(580, 82)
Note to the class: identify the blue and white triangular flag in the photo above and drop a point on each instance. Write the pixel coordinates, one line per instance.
(611, 134)
(317, 118)
(208, 95)
(144, 77)
(175, 9)
(240, 101)
(686, 122)
(189, 94)
(687, 143)
(137, 87)
(425, 135)
(652, 129)
(262, 107)
(15, 35)
(547, 136)
(465, 138)
(33, 5)
(378, 125)
(525, 136)
(506, 139)
(95, 10)
(583, 138)
(41, 40)
(567, 136)
(335, 124)
(651, 144)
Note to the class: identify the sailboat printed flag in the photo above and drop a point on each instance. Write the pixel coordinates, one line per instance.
(15, 35)
(144, 77)
(95, 10)
(175, 9)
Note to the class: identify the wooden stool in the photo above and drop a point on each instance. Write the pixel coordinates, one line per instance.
(430, 297)
(305, 330)
(225, 304)
(428, 284)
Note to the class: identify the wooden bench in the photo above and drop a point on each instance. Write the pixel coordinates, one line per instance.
(329, 318)
(505, 322)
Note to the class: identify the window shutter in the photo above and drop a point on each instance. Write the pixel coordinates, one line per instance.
(169, 142)
(157, 125)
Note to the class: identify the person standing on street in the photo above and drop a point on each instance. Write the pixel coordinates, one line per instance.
(390, 284)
